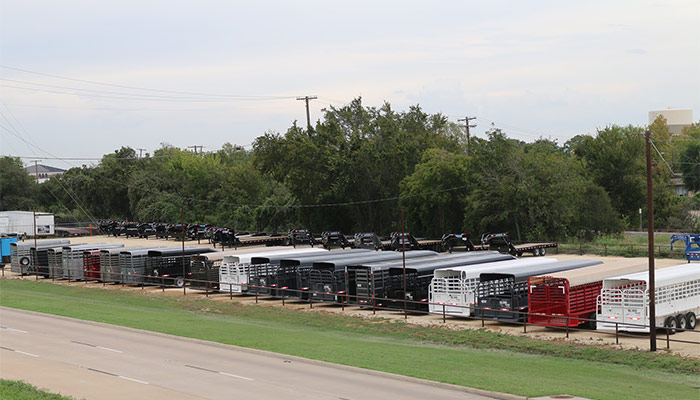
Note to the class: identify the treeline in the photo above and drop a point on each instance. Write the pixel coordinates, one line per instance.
(358, 167)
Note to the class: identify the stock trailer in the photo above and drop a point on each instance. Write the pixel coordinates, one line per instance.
(73, 258)
(172, 263)
(205, 268)
(21, 257)
(235, 269)
(110, 270)
(623, 303)
(568, 298)
(129, 264)
(502, 295)
(327, 278)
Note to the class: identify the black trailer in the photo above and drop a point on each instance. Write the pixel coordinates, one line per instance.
(335, 238)
(204, 269)
(39, 259)
(327, 278)
(451, 241)
(405, 240)
(501, 242)
(292, 272)
(367, 240)
(503, 294)
(300, 236)
(368, 281)
(129, 264)
(419, 276)
(168, 263)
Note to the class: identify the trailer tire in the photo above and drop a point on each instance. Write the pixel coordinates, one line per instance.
(592, 323)
(520, 254)
(671, 324)
(681, 322)
(691, 319)
(179, 281)
(543, 252)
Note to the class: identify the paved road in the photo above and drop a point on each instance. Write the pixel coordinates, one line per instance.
(107, 362)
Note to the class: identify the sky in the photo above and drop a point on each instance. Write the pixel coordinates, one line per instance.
(142, 73)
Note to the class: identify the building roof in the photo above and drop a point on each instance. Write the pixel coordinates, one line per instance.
(42, 169)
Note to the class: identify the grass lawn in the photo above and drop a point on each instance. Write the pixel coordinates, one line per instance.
(17, 390)
(480, 359)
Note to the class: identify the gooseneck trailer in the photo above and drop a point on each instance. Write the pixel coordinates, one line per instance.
(569, 297)
(501, 242)
(624, 300)
(503, 295)
(453, 290)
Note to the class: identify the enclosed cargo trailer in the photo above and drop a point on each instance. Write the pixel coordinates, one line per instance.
(569, 298)
(5, 248)
(503, 295)
(624, 300)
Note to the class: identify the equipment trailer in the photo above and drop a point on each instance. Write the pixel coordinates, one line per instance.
(501, 242)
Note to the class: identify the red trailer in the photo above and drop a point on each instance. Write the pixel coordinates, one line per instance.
(91, 265)
(569, 297)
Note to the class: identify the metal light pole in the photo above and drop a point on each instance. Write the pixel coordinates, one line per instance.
(652, 283)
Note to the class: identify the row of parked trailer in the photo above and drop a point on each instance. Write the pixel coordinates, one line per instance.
(487, 284)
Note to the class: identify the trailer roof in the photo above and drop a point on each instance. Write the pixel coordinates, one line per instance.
(459, 256)
(595, 273)
(175, 251)
(665, 276)
(428, 266)
(525, 272)
(375, 256)
(40, 242)
(247, 257)
(140, 251)
(473, 271)
(307, 260)
(90, 246)
(264, 259)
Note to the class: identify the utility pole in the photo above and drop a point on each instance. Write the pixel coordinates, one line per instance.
(308, 116)
(36, 172)
(467, 126)
(652, 283)
(195, 147)
(140, 151)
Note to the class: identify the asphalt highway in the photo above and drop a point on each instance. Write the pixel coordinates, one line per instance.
(97, 361)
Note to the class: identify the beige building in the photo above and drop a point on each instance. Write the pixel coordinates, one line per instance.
(675, 119)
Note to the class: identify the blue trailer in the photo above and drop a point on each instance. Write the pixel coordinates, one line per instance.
(5, 247)
(692, 246)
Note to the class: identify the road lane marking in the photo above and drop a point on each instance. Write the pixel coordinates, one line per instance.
(84, 344)
(108, 349)
(13, 329)
(237, 376)
(102, 372)
(203, 369)
(26, 354)
(133, 380)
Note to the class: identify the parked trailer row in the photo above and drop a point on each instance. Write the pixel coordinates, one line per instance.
(20, 253)
(73, 258)
(205, 269)
(623, 302)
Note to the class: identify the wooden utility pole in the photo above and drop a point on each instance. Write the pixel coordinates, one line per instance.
(403, 256)
(467, 126)
(308, 115)
(652, 283)
(36, 251)
(184, 271)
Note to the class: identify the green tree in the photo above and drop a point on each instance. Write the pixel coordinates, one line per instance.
(690, 166)
(17, 188)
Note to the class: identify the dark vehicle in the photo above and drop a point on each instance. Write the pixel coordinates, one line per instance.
(502, 295)
(501, 242)
(330, 239)
(405, 240)
(146, 230)
(327, 279)
(168, 263)
(300, 236)
(368, 240)
(453, 240)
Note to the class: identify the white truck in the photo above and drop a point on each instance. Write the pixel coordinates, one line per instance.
(624, 300)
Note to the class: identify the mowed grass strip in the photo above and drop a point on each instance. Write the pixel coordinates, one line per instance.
(460, 357)
(18, 390)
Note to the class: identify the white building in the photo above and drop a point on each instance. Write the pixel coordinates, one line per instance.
(675, 119)
(21, 222)
(44, 172)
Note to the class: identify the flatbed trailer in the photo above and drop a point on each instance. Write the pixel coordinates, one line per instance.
(501, 242)
(73, 258)
(20, 253)
(418, 277)
(267, 240)
(367, 240)
(453, 290)
(430, 244)
(450, 241)
(293, 272)
(569, 298)
(168, 263)
(327, 278)
(623, 303)
(502, 296)
(234, 270)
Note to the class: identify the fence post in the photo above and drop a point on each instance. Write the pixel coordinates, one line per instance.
(617, 339)
(482, 317)
(580, 248)
(524, 325)
(230, 291)
(668, 339)
(632, 249)
(282, 300)
(311, 304)
(256, 294)
(443, 313)
(162, 283)
(605, 252)
(207, 289)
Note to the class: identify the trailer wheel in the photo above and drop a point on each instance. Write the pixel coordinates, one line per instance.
(671, 324)
(179, 281)
(691, 319)
(543, 252)
(681, 321)
(520, 254)
(591, 323)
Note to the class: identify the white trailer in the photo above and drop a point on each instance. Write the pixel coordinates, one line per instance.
(455, 287)
(23, 222)
(233, 273)
(72, 263)
(624, 300)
